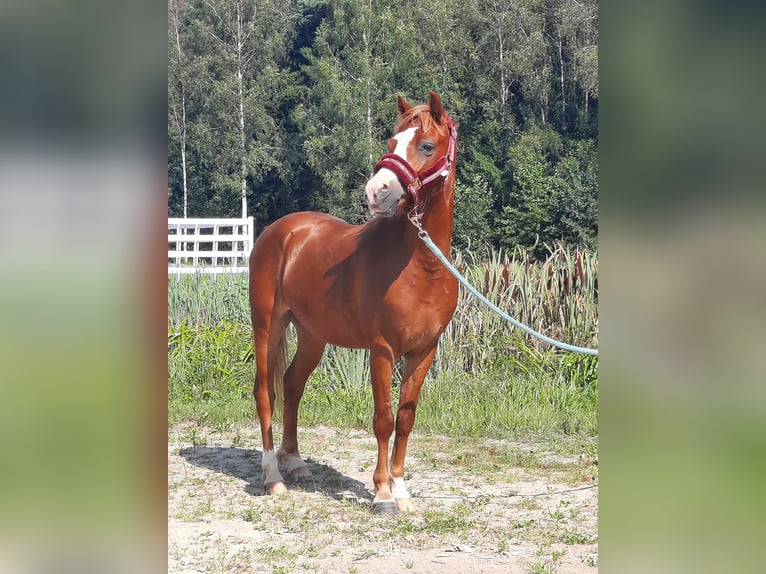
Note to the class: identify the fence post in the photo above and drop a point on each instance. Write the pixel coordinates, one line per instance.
(251, 235)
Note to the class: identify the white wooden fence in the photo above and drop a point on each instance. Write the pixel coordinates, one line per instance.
(205, 245)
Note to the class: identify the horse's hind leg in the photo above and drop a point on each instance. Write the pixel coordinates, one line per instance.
(415, 369)
(307, 357)
(268, 336)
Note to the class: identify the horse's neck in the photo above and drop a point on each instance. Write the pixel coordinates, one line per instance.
(438, 219)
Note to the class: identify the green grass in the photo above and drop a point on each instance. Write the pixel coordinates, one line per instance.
(487, 379)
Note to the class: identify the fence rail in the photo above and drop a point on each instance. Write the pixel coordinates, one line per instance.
(206, 245)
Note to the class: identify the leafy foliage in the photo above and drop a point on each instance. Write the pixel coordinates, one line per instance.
(553, 196)
(317, 98)
(473, 208)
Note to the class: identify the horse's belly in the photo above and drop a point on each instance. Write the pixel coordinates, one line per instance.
(348, 320)
(326, 313)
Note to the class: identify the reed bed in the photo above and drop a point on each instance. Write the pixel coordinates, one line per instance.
(497, 376)
(558, 297)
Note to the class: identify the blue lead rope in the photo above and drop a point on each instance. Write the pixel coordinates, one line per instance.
(423, 234)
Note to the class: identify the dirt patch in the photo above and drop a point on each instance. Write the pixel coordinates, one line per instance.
(480, 506)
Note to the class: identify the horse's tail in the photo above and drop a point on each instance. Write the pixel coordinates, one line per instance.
(278, 377)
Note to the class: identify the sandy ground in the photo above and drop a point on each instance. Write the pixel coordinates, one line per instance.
(480, 506)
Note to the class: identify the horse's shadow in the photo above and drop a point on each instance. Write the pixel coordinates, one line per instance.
(245, 464)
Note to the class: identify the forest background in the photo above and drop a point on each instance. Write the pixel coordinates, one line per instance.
(277, 106)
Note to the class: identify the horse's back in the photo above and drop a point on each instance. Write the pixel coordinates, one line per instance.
(299, 222)
(293, 250)
(282, 236)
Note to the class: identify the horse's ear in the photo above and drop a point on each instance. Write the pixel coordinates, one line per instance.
(402, 105)
(437, 110)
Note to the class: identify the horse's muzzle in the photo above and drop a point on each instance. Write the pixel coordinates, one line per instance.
(383, 192)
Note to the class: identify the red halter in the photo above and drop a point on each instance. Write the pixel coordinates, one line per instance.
(415, 181)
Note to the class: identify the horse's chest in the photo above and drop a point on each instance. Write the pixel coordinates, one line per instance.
(434, 298)
(422, 309)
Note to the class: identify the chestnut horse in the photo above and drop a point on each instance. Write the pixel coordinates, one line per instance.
(373, 286)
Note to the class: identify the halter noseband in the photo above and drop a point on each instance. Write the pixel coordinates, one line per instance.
(415, 181)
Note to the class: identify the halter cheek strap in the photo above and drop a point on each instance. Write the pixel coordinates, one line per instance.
(415, 181)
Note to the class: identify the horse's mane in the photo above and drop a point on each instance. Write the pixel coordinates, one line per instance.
(416, 115)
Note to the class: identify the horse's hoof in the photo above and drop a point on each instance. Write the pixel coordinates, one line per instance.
(299, 473)
(297, 469)
(387, 507)
(405, 505)
(275, 488)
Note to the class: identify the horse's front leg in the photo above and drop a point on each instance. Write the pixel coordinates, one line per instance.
(415, 369)
(381, 367)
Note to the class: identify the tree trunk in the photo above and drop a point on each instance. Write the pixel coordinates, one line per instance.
(563, 93)
(183, 152)
(240, 94)
(366, 33)
(181, 123)
(502, 76)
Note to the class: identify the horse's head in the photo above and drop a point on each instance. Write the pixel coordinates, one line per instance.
(420, 156)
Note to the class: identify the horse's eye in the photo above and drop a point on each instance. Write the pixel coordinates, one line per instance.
(427, 148)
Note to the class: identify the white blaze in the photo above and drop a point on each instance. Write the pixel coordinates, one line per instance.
(403, 139)
(384, 177)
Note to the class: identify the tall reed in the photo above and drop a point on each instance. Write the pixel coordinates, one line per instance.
(502, 376)
(558, 297)
(200, 299)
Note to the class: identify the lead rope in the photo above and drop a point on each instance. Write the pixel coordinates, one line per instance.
(423, 235)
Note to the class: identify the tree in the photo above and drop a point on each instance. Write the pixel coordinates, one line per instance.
(554, 195)
(177, 78)
(526, 218)
(473, 206)
(579, 25)
(280, 105)
(574, 199)
(248, 36)
(235, 75)
(352, 103)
